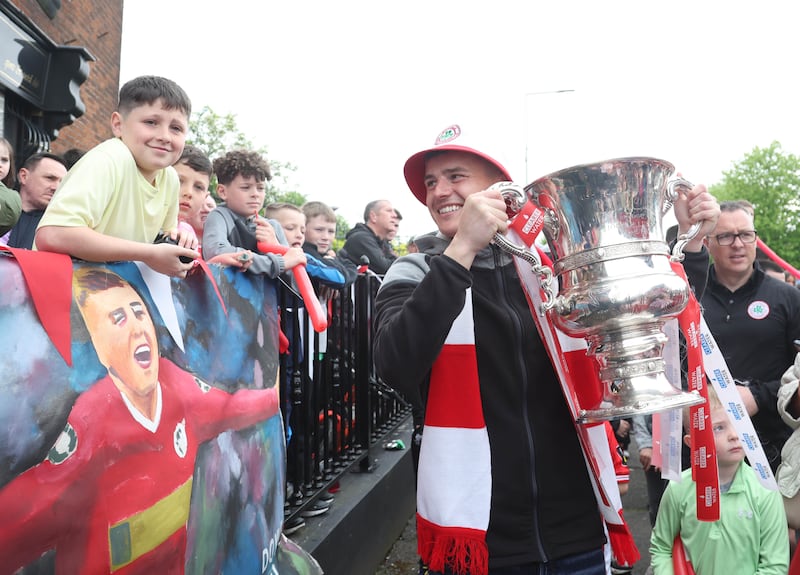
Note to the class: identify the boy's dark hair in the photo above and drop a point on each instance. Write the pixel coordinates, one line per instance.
(72, 156)
(147, 89)
(33, 160)
(241, 162)
(769, 265)
(196, 159)
(314, 209)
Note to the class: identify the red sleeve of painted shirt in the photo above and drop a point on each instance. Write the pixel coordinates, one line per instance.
(215, 410)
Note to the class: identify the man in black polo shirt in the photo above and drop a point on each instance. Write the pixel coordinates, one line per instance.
(754, 318)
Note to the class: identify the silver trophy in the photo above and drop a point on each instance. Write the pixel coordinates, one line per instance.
(603, 224)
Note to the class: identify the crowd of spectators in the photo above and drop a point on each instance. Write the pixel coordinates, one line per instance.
(112, 203)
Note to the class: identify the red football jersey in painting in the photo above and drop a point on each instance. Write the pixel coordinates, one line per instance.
(113, 493)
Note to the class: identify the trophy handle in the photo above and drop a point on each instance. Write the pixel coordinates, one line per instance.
(515, 198)
(672, 195)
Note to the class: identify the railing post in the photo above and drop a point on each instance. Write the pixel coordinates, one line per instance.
(363, 365)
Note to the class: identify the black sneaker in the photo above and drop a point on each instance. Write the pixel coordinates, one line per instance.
(293, 525)
(317, 508)
(326, 498)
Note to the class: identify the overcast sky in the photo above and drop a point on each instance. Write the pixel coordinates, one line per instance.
(347, 90)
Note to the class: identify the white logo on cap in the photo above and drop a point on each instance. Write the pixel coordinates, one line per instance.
(447, 135)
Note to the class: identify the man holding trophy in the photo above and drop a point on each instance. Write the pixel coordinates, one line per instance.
(503, 483)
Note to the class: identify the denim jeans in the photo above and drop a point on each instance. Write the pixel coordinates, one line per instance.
(589, 563)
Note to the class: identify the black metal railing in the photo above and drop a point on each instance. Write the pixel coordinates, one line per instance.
(334, 406)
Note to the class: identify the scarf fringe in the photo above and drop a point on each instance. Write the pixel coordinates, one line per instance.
(461, 549)
(622, 544)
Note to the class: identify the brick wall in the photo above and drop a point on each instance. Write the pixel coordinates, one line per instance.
(96, 26)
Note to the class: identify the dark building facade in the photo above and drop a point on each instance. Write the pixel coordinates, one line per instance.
(59, 73)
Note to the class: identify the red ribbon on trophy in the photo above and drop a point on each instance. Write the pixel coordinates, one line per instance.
(569, 359)
(704, 454)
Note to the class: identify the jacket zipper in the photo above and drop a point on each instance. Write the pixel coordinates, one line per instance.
(526, 415)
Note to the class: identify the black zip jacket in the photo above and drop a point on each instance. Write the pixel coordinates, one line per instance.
(362, 241)
(542, 503)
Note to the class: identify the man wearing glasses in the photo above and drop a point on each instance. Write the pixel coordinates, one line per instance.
(754, 319)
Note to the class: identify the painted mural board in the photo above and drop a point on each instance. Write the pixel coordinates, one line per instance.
(155, 444)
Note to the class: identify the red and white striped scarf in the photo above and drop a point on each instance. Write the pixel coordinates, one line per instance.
(455, 476)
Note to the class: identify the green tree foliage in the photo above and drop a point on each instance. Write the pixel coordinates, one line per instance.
(342, 227)
(216, 134)
(295, 198)
(769, 178)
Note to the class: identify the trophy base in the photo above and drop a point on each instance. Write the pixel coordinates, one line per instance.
(642, 406)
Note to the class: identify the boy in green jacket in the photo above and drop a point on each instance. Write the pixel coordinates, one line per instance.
(751, 535)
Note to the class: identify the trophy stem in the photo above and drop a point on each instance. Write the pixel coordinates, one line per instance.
(632, 375)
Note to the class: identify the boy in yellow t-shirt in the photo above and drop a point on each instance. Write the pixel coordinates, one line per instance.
(123, 193)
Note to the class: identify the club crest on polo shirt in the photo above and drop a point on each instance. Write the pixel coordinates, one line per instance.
(447, 135)
(179, 439)
(65, 445)
(758, 309)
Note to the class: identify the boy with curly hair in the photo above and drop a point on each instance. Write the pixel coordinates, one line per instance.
(233, 230)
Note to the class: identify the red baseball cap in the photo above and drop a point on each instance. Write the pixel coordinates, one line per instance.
(450, 139)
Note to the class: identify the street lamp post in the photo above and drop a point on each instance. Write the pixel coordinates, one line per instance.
(527, 121)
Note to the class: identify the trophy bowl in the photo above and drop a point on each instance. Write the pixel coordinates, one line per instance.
(603, 225)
